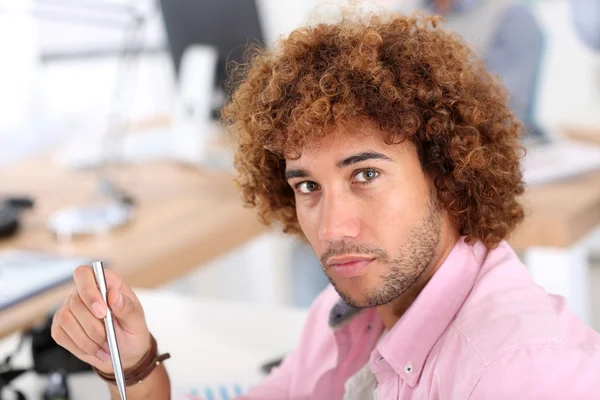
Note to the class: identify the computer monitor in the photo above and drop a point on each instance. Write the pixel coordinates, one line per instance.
(226, 25)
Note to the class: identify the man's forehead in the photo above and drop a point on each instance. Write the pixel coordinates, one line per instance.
(337, 141)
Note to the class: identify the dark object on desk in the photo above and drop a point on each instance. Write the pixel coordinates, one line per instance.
(20, 203)
(269, 365)
(8, 374)
(9, 221)
(10, 212)
(12, 394)
(6, 377)
(48, 358)
(57, 387)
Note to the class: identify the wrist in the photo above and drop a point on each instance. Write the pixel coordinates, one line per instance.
(129, 363)
(139, 371)
(133, 362)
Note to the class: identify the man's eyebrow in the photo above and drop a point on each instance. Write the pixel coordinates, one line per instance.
(366, 155)
(353, 159)
(295, 173)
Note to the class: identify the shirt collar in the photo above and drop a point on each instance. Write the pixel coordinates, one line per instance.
(411, 339)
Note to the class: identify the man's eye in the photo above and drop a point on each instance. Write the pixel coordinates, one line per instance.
(307, 187)
(366, 175)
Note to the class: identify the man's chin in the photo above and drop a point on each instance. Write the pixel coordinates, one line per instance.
(355, 297)
(359, 302)
(359, 296)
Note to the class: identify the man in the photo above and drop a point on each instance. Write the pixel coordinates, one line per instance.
(511, 43)
(386, 145)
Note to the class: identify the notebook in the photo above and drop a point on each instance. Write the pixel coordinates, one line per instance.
(25, 273)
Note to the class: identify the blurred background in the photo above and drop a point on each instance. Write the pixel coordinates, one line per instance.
(111, 148)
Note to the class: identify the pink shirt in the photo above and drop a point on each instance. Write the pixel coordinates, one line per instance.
(480, 329)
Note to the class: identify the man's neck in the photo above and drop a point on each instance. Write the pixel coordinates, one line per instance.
(392, 312)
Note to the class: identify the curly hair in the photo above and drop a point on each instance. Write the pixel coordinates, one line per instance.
(413, 80)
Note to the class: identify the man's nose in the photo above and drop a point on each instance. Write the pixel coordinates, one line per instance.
(339, 219)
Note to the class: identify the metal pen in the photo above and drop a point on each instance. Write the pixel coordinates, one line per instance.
(115, 357)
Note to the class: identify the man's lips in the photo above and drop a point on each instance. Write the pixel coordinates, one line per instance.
(347, 259)
(348, 266)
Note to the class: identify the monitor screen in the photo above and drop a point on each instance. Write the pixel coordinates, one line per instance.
(226, 25)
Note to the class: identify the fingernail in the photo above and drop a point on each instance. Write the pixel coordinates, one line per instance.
(120, 301)
(103, 355)
(98, 310)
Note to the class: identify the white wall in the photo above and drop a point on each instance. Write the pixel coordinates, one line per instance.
(83, 88)
(18, 69)
(569, 87)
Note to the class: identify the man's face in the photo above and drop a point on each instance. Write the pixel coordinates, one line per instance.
(368, 211)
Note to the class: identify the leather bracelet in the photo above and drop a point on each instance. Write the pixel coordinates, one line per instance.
(141, 370)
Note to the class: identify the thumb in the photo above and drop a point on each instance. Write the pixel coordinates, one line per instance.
(128, 312)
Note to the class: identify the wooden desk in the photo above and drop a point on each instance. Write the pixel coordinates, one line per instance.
(559, 214)
(585, 133)
(184, 218)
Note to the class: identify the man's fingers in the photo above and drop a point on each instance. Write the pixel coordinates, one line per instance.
(93, 327)
(123, 302)
(127, 310)
(67, 321)
(62, 338)
(88, 288)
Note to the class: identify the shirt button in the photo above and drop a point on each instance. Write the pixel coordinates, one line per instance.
(408, 368)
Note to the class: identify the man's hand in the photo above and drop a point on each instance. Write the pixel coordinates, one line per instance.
(78, 325)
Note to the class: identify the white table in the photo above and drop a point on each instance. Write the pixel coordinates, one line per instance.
(210, 341)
